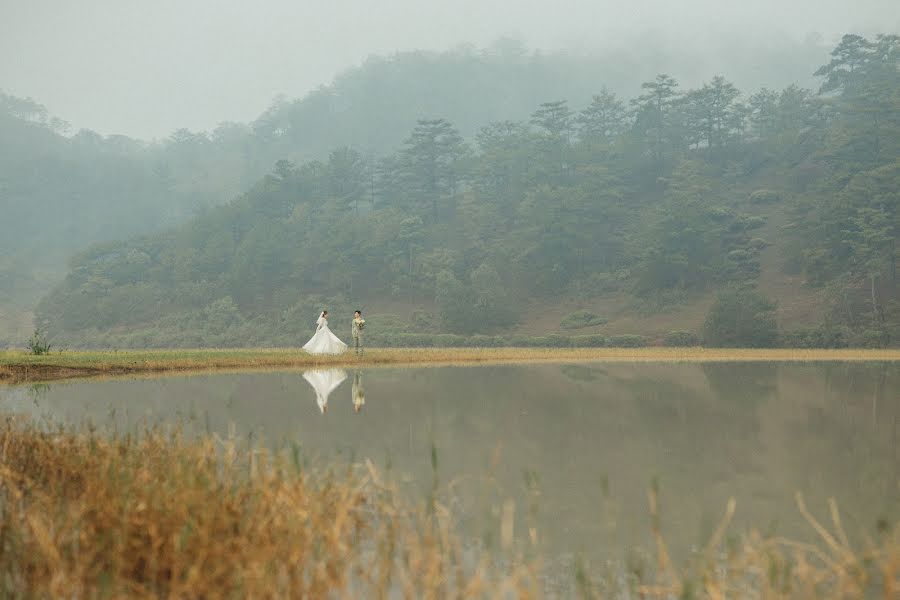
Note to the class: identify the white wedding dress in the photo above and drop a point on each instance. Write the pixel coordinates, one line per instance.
(324, 381)
(323, 341)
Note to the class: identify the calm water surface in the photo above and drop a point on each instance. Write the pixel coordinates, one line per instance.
(574, 447)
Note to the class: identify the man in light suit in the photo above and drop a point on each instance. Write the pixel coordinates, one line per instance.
(356, 331)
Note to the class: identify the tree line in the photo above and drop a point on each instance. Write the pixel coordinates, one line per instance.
(661, 198)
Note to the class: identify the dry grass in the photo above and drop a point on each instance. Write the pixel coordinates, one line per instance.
(83, 515)
(160, 515)
(767, 567)
(21, 366)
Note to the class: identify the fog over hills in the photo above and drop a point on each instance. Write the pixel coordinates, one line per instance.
(145, 70)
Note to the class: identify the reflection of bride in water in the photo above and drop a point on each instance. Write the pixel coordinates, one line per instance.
(324, 381)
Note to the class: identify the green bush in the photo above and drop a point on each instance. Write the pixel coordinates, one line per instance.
(660, 301)
(746, 223)
(544, 341)
(559, 341)
(681, 338)
(739, 255)
(485, 341)
(627, 341)
(38, 343)
(765, 197)
(758, 244)
(580, 319)
(519, 341)
(449, 340)
(741, 317)
(589, 341)
(872, 338)
(455, 301)
(823, 336)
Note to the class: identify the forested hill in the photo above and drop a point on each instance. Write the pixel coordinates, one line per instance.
(61, 191)
(781, 205)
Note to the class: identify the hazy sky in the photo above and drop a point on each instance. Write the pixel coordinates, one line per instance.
(147, 67)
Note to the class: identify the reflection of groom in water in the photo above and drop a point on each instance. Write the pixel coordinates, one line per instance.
(359, 394)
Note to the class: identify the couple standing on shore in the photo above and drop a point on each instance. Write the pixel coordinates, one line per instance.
(325, 342)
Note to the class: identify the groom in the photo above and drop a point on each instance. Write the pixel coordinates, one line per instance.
(356, 331)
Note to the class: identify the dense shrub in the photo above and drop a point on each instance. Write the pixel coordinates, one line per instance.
(627, 341)
(872, 338)
(580, 319)
(823, 336)
(485, 341)
(765, 197)
(38, 343)
(558, 341)
(589, 341)
(758, 243)
(544, 341)
(746, 223)
(681, 338)
(449, 340)
(741, 317)
(519, 341)
(740, 255)
(661, 301)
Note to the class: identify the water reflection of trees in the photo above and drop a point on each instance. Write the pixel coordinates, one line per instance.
(845, 444)
(741, 383)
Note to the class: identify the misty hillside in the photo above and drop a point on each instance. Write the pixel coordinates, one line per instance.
(60, 192)
(750, 217)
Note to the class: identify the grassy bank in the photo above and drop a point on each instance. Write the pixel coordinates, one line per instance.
(161, 515)
(17, 366)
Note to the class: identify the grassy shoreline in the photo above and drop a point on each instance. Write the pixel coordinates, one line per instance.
(19, 366)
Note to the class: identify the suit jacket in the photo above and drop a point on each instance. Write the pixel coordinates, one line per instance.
(355, 329)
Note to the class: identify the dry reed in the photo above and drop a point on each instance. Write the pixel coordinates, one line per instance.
(161, 514)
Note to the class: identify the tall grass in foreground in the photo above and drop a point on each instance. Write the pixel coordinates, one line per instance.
(164, 515)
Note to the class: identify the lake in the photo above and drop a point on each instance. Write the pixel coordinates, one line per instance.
(571, 448)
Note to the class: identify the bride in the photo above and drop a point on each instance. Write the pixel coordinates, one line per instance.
(323, 341)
